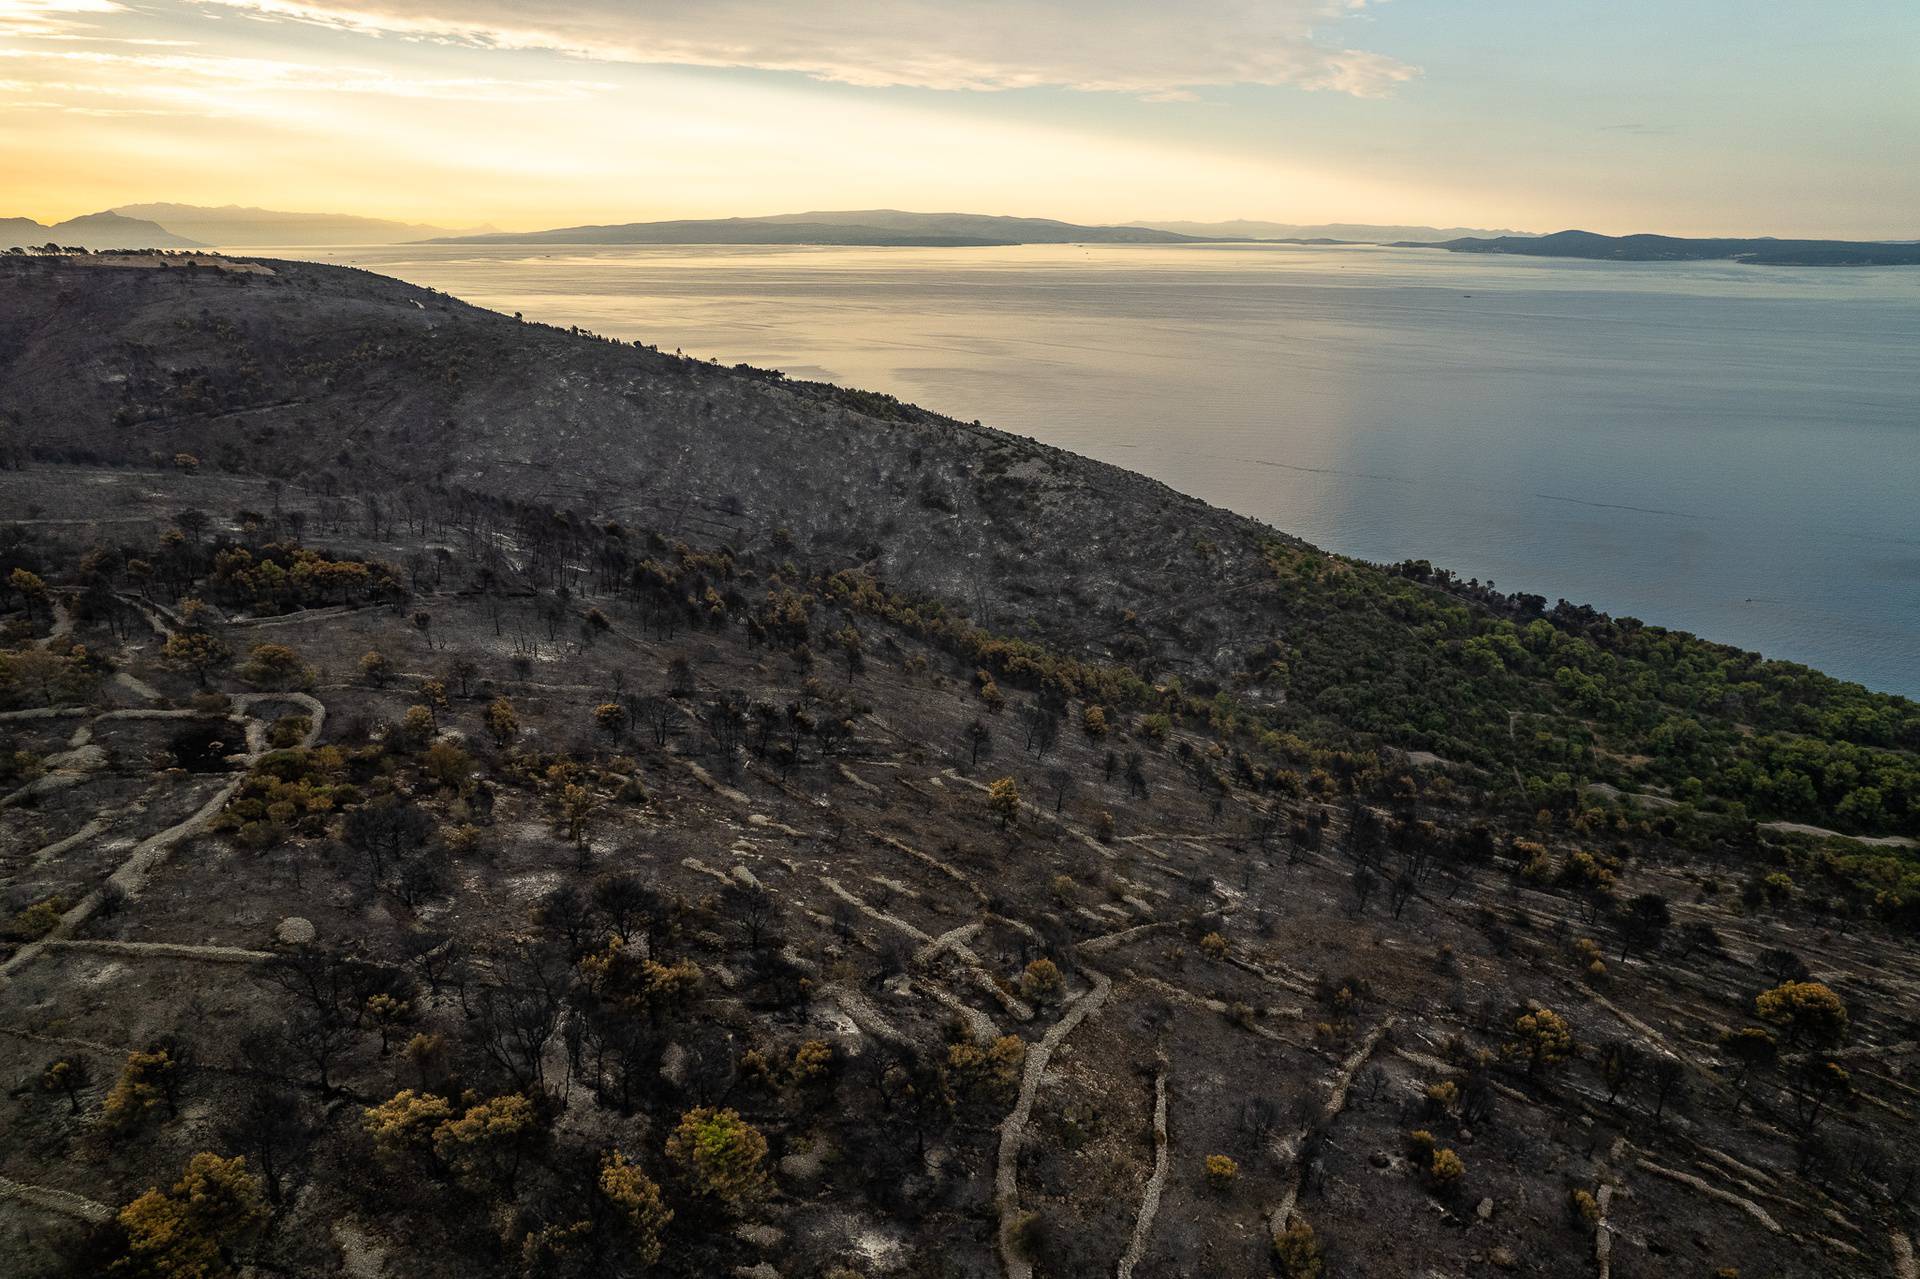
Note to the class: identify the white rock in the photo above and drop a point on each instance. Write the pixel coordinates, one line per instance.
(294, 931)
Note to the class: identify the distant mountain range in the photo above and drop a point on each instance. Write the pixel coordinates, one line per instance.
(1759, 251)
(236, 227)
(190, 226)
(1349, 232)
(93, 231)
(850, 227)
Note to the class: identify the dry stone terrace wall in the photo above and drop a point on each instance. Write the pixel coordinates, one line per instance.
(866, 897)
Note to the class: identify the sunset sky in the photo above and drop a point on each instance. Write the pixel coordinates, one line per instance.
(1707, 116)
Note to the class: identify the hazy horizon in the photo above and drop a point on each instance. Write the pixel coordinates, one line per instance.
(1712, 120)
(481, 223)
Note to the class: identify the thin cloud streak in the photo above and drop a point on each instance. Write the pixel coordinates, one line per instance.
(200, 78)
(1137, 47)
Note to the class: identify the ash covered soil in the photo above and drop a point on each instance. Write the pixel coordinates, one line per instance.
(478, 799)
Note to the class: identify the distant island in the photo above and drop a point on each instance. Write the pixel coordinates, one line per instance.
(877, 227)
(188, 226)
(1758, 251)
(1324, 232)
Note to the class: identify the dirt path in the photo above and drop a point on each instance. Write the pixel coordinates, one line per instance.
(157, 616)
(1013, 1129)
(62, 624)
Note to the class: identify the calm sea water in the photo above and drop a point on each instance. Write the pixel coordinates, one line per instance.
(1731, 450)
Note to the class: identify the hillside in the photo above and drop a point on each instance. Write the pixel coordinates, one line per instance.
(107, 230)
(232, 226)
(858, 227)
(479, 799)
(1667, 248)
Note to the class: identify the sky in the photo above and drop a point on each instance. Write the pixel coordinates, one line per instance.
(1783, 117)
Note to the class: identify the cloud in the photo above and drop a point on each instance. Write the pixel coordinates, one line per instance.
(224, 85)
(1148, 48)
(51, 19)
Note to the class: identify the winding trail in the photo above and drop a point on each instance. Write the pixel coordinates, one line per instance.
(62, 624)
(1013, 1129)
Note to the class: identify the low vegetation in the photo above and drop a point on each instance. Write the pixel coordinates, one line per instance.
(414, 876)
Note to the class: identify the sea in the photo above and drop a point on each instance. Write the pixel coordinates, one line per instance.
(1725, 449)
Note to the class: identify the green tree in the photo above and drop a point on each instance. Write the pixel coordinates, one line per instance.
(1003, 799)
(1543, 1039)
(719, 1154)
(487, 1144)
(635, 1202)
(196, 652)
(1041, 980)
(1806, 1010)
(29, 588)
(148, 1078)
(502, 724)
(1296, 1252)
(276, 666)
(190, 1231)
(402, 1127)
